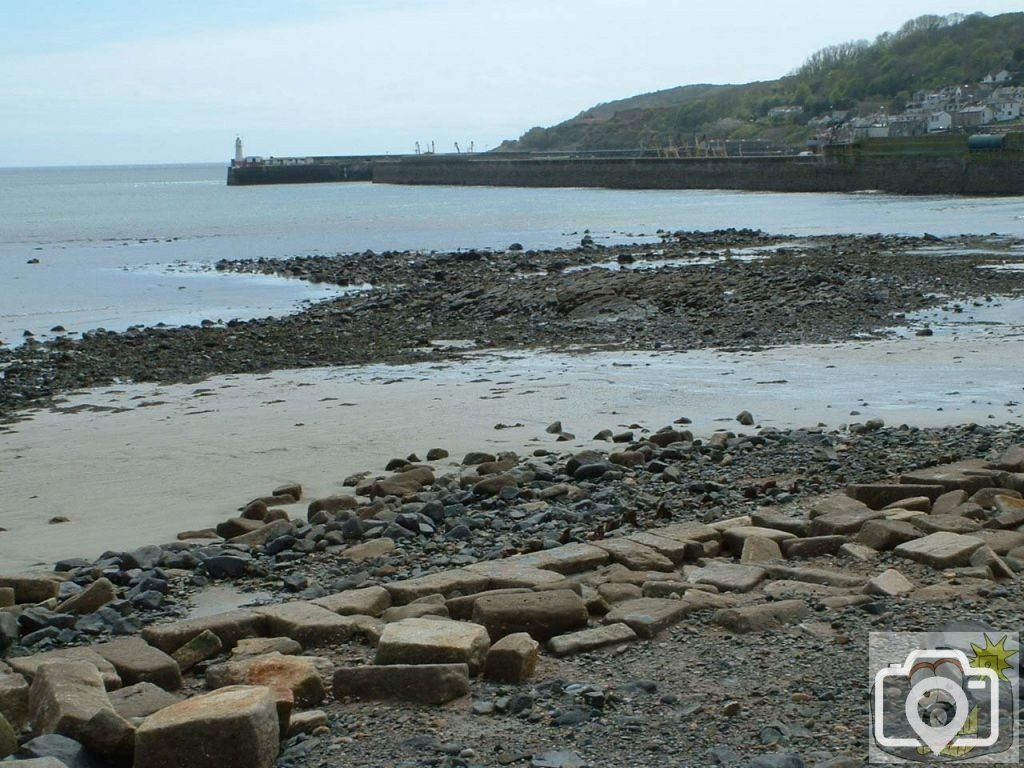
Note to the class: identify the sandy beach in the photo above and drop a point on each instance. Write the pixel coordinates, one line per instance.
(133, 465)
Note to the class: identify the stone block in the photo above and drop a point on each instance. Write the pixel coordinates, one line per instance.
(233, 727)
(136, 661)
(676, 551)
(844, 522)
(1000, 541)
(591, 639)
(369, 601)
(812, 546)
(230, 627)
(445, 583)
(369, 550)
(947, 503)
(940, 550)
(634, 556)
(692, 531)
(433, 641)
(879, 495)
(203, 646)
(64, 697)
(883, 535)
(889, 583)
(567, 559)
(14, 700)
(29, 665)
(31, 587)
(512, 659)
(141, 700)
(733, 538)
(309, 624)
(508, 574)
(949, 477)
(647, 616)
(260, 646)
(944, 523)
(295, 674)
(418, 683)
(540, 614)
(839, 502)
(728, 577)
(757, 549)
(90, 599)
(258, 537)
(769, 518)
(461, 608)
(832, 578)
(761, 617)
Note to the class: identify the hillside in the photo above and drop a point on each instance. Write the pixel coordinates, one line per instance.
(857, 77)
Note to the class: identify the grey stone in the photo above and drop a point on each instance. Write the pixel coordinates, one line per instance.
(136, 661)
(728, 577)
(591, 639)
(540, 614)
(433, 641)
(420, 683)
(940, 550)
(760, 617)
(512, 659)
(647, 616)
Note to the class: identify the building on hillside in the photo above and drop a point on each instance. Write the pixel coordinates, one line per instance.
(1003, 111)
(908, 124)
(972, 117)
(1002, 76)
(781, 114)
(939, 121)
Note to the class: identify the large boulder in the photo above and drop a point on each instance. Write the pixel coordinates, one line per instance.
(233, 727)
(64, 697)
(433, 641)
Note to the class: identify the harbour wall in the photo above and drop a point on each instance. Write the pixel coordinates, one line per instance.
(961, 174)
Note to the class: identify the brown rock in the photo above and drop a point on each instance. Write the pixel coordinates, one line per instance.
(136, 661)
(229, 626)
(14, 700)
(64, 697)
(433, 641)
(591, 639)
(294, 674)
(90, 599)
(140, 700)
(540, 614)
(419, 683)
(31, 587)
(512, 659)
(760, 617)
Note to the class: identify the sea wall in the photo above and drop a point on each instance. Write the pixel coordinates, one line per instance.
(972, 174)
(243, 175)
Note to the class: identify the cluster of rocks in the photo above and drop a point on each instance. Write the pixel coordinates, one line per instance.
(94, 673)
(808, 291)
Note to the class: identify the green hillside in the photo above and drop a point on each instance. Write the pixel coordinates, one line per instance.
(926, 53)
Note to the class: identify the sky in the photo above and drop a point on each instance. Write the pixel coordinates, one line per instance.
(112, 81)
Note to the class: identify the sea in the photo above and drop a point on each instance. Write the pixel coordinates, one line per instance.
(85, 248)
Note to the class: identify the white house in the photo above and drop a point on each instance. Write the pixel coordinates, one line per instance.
(972, 116)
(1005, 110)
(939, 121)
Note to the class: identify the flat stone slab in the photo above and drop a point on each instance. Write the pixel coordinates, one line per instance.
(444, 583)
(141, 700)
(28, 665)
(647, 616)
(64, 697)
(812, 546)
(940, 550)
(90, 599)
(769, 518)
(761, 617)
(676, 551)
(419, 683)
(883, 535)
(31, 587)
(14, 700)
(462, 607)
(505, 574)
(827, 576)
(233, 727)
(229, 626)
(434, 641)
(136, 661)
(636, 557)
(844, 522)
(948, 523)
(368, 601)
(567, 559)
(1001, 542)
(949, 477)
(542, 615)
(734, 537)
(591, 639)
(889, 583)
(838, 502)
(692, 531)
(728, 577)
(878, 495)
(295, 674)
(783, 588)
(308, 624)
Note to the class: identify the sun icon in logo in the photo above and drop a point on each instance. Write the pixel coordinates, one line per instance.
(992, 656)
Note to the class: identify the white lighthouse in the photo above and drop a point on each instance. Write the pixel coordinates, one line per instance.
(238, 149)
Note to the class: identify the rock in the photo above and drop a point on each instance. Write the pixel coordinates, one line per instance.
(433, 641)
(31, 587)
(203, 646)
(883, 535)
(289, 489)
(728, 577)
(940, 550)
(29, 665)
(414, 611)
(616, 592)
(843, 522)
(949, 477)
(140, 700)
(985, 557)
(837, 503)
(540, 614)
(634, 556)
(294, 674)
(477, 457)
(64, 697)
(136, 661)
(947, 503)
(833, 578)
(770, 518)
(494, 484)
(1001, 542)
(512, 659)
(554, 428)
(110, 737)
(369, 601)
(332, 505)
(436, 454)
(234, 727)
(567, 559)
(986, 497)
(1009, 513)
(307, 722)
(505, 574)
(889, 583)
(54, 751)
(760, 617)
(944, 523)
(309, 624)
(265, 533)
(813, 546)
(676, 551)
(734, 536)
(557, 759)
(229, 626)
(236, 526)
(14, 700)
(745, 418)
(591, 639)
(879, 495)
(757, 549)
(647, 616)
(859, 552)
(369, 550)
(418, 683)
(6, 597)
(260, 646)
(444, 583)
(8, 738)
(90, 599)
(666, 437)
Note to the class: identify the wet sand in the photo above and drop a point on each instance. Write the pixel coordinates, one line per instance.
(133, 465)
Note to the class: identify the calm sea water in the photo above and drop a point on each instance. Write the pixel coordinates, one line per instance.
(130, 245)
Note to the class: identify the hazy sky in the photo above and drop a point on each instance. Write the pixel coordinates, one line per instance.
(111, 81)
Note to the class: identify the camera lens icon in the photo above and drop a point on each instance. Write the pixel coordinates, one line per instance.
(937, 706)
